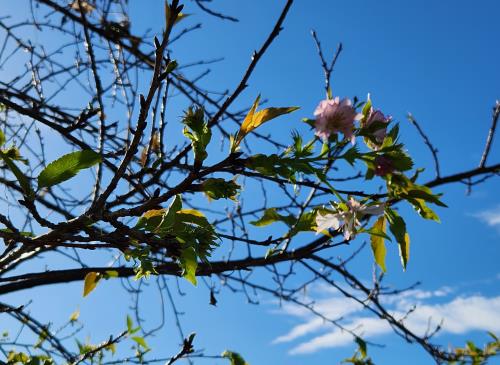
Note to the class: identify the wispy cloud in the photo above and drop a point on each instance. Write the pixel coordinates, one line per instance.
(491, 216)
(456, 315)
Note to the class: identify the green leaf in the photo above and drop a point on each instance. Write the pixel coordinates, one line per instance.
(424, 193)
(23, 180)
(155, 219)
(367, 107)
(397, 226)
(193, 216)
(141, 342)
(67, 166)
(377, 243)
(130, 326)
(421, 208)
(362, 346)
(198, 131)
(217, 188)
(90, 282)
(234, 358)
(271, 216)
(189, 263)
(41, 338)
(2, 138)
(404, 250)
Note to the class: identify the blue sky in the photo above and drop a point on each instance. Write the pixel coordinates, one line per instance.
(437, 60)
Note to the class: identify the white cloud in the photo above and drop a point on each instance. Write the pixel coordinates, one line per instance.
(491, 217)
(458, 315)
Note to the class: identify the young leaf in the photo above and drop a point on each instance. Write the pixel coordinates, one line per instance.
(74, 316)
(90, 282)
(198, 131)
(377, 243)
(254, 119)
(234, 358)
(141, 342)
(2, 138)
(67, 166)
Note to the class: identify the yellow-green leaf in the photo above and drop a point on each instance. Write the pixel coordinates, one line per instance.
(189, 263)
(234, 358)
(74, 316)
(404, 250)
(180, 16)
(254, 119)
(66, 167)
(141, 342)
(377, 243)
(90, 282)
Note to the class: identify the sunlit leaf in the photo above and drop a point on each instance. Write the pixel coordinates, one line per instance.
(397, 226)
(234, 358)
(377, 243)
(255, 119)
(189, 263)
(141, 342)
(74, 316)
(67, 166)
(90, 282)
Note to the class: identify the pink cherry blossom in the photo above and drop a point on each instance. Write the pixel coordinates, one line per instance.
(347, 220)
(334, 116)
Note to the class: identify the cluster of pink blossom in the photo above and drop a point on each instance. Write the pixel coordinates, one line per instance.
(347, 220)
(336, 115)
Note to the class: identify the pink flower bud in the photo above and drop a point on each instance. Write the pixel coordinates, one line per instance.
(377, 116)
(383, 166)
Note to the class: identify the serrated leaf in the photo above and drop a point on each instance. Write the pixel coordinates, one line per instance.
(193, 216)
(234, 358)
(198, 131)
(66, 167)
(377, 243)
(90, 282)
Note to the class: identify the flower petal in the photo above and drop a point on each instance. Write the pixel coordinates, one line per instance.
(324, 222)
